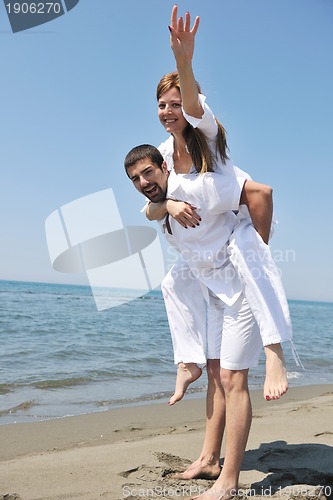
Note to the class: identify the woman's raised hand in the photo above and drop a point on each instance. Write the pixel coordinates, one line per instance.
(182, 37)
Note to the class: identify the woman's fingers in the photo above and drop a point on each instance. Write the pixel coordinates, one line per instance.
(191, 219)
(195, 25)
(187, 21)
(174, 17)
(184, 213)
(178, 23)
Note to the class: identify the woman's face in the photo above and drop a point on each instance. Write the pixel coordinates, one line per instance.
(170, 111)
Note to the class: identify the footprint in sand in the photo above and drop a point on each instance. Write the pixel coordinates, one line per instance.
(10, 496)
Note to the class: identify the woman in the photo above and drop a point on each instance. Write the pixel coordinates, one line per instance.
(201, 148)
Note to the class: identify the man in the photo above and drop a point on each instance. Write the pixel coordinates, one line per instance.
(205, 255)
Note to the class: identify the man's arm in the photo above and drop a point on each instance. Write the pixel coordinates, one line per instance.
(259, 200)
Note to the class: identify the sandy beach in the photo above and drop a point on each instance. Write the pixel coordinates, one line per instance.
(132, 452)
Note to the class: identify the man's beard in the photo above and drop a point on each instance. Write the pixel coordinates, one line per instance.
(157, 194)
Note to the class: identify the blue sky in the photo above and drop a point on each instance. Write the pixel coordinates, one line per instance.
(79, 92)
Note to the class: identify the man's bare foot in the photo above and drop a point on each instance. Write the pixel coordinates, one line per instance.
(216, 493)
(276, 383)
(186, 374)
(200, 469)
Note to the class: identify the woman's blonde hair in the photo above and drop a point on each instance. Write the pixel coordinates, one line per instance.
(196, 141)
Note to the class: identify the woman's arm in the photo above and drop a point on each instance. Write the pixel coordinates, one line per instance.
(156, 211)
(184, 213)
(182, 45)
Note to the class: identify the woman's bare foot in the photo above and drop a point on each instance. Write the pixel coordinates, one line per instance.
(200, 469)
(186, 374)
(276, 383)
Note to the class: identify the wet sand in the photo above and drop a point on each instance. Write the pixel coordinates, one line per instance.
(132, 452)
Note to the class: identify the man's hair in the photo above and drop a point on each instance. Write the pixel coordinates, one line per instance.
(142, 152)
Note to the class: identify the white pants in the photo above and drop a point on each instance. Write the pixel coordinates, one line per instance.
(212, 330)
(187, 315)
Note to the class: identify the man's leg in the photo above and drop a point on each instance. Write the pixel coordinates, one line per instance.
(208, 463)
(207, 466)
(240, 349)
(238, 416)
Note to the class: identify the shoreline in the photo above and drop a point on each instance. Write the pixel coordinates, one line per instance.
(29, 409)
(115, 453)
(194, 395)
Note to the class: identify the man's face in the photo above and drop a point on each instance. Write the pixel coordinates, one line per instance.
(149, 179)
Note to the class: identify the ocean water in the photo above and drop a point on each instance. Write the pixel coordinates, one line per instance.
(59, 356)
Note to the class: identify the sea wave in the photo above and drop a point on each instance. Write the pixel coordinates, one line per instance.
(147, 397)
(21, 407)
(60, 383)
(294, 375)
(58, 352)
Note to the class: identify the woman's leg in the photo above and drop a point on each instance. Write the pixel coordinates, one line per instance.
(186, 311)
